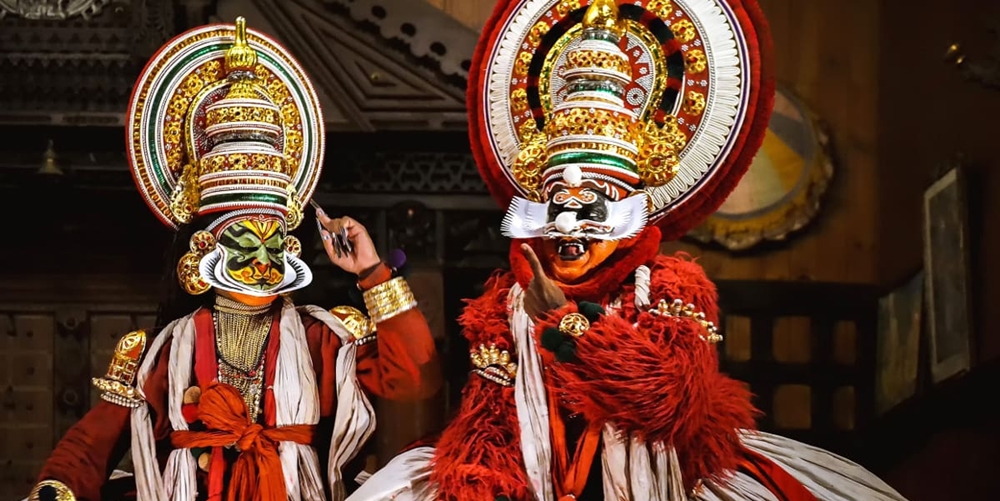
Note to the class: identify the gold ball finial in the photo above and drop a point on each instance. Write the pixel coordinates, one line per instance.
(241, 57)
(603, 15)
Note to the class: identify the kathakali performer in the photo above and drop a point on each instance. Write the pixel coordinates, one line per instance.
(249, 397)
(605, 129)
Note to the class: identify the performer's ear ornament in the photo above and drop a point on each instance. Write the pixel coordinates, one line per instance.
(190, 279)
(293, 246)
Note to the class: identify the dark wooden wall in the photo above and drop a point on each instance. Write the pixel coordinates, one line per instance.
(827, 53)
(927, 114)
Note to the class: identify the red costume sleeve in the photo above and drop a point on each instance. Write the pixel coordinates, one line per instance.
(402, 364)
(479, 453)
(89, 451)
(657, 376)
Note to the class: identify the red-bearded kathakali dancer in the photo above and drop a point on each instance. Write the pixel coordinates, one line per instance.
(249, 397)
(606, 128)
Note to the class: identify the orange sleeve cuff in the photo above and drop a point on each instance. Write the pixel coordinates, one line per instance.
(379, 275)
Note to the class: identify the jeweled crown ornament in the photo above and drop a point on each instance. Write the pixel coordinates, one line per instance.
(592, 118)
(596, 152)
(226, 126)
(223, 119)
(244, 167)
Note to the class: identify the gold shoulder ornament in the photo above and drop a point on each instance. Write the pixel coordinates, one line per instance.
(493, 364)
(117, 386)
(361, 328)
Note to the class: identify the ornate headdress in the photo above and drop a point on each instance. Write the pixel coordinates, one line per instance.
(590, 119)
(226, 126)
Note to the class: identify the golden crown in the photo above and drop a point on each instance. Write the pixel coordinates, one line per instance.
(592, 128)
(245, 166)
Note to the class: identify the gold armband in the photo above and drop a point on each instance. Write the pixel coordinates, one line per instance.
(117, 385)
(680, 310)
(51, 489)
(361, 328)
(494, 364)
(389, 299)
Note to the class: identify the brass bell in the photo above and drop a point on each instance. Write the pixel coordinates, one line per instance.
(50, 166)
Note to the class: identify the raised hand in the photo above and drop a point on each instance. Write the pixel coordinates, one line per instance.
(542, 295)
(363, 255)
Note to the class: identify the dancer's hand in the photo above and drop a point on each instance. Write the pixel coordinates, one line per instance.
(362, 255)
(542, 295)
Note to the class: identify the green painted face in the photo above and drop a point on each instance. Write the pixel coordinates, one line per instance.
(254, 253)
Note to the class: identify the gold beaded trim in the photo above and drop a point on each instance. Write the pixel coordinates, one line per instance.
(116, 385)
(367, 339)
(680, 310)
(389, 299)
(62, 492)
(574, 324)
(592, 59)
(494, 364)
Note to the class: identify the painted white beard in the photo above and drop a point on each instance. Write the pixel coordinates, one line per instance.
(527, 219)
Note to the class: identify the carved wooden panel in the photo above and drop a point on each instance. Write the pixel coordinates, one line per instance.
(59, 66)
(26, 413)
(371, 81)
(48, 353)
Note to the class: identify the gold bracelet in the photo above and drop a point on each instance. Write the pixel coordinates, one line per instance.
(116, 386)
(52, 489)
(389, 299)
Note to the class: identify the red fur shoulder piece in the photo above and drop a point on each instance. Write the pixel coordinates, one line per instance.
(478, 456)
(680, 277)
(657, 377)
(485, 319)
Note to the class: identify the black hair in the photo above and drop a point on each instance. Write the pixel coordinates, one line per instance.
(176, 302)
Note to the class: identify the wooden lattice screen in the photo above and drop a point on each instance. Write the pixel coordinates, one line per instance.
(807, 351)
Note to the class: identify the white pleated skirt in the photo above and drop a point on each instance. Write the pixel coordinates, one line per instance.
(828, 476)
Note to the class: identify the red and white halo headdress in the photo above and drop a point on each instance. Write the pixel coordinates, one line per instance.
(225, 124)
(656, 107)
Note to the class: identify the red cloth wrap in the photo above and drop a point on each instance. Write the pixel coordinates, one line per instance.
(257, 473)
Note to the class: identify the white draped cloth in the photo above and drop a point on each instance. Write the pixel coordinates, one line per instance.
(297, 402)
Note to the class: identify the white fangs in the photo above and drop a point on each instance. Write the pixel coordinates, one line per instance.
(571, 249)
